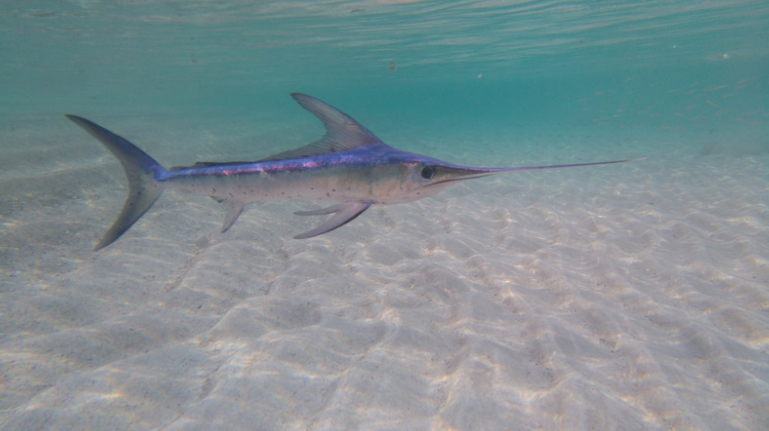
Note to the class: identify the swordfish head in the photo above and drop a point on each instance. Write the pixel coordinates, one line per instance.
(401, 177)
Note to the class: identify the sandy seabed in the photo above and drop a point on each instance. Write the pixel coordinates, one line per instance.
(623, 297)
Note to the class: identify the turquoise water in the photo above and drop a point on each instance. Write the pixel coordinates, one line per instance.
(625, 63)
(625, 297)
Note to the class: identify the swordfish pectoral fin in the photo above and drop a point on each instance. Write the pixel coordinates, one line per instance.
(323, 211)
(343, 214)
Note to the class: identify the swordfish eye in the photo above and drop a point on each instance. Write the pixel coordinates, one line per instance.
(428, 172)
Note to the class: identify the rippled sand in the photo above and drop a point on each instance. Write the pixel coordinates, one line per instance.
(618, 297)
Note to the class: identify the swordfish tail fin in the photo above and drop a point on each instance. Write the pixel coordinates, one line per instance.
(141, 170)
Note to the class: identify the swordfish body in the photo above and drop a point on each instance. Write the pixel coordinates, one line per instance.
(349, 165)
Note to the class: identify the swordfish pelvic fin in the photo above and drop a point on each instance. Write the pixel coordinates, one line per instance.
(141, 170)
(343, 214)
(234, 208)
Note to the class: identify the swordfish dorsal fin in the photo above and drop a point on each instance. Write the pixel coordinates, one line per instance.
(342, 131)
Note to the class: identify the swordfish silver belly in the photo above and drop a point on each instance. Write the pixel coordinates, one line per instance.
(273, 181)
(348, 165)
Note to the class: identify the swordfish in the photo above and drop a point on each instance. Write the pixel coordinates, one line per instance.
(349, 165)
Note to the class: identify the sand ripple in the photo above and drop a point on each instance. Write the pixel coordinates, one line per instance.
(629, 297)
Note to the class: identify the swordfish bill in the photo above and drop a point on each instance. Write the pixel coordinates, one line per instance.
(348, 166)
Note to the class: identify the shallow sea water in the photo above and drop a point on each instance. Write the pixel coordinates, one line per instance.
(630, 296)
